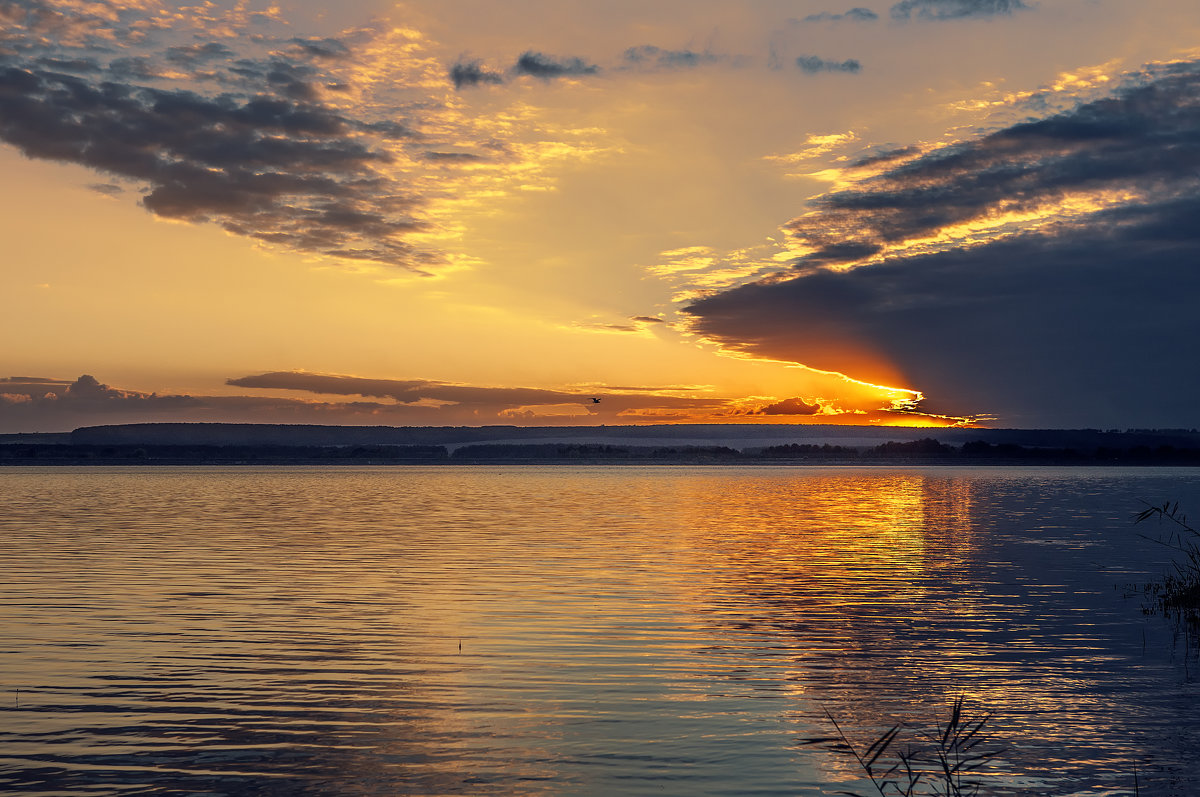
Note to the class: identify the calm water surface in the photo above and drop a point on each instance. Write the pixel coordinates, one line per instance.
(610, 631)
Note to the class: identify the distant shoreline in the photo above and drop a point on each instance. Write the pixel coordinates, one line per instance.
(695, 444)
(921, 452)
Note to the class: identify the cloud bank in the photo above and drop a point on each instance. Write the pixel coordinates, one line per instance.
(33, 404)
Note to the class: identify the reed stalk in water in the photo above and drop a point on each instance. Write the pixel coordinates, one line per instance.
(945, 764)
(1178, 593)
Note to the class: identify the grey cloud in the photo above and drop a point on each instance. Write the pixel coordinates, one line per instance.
(473, 73)
(31, 385)
(548, 67)
(812, 65)
(108, 189)
(86, 26)
(281, 168)
(844, 252)
(321, 48)
(452, 157)
(197, 53)
(856, 14)
(647, 319)
(292, 80)
(1088, 322)
(954, 9)
(74, 65)
(134, 68)
(405, 391)
(476, 398)
(648, 55)
(792, 406)
(885, 156)
(84, 394)
(60, 405)
(610, 327)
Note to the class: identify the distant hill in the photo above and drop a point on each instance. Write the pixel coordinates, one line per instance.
(742, 437)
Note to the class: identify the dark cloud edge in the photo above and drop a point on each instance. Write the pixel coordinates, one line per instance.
(1075, 288)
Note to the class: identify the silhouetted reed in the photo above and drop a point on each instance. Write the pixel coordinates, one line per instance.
(944, 762)
(1177, 595)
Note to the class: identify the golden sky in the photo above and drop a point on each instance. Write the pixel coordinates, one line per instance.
(464, 213)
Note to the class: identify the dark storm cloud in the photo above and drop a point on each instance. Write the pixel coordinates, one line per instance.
(647, 55)
(812, 65)
(1091, 329)
(548, 67)
(1089, 321)
(954, 9)
(854, 15)
(473, 73)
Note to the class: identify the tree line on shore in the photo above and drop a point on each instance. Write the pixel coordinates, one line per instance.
(926, 450)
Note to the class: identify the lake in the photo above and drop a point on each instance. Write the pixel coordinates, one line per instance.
(582, 631)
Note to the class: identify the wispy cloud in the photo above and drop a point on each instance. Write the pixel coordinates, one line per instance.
(812, 65)
(648, 56)
(954, 9)
(465, 74)
(548, 67)
(856, 14)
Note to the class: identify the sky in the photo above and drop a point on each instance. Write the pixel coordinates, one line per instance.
(461, 212)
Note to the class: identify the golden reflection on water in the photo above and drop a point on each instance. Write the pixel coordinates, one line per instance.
(872, 586)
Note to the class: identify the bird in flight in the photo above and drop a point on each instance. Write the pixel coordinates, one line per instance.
(595, 400)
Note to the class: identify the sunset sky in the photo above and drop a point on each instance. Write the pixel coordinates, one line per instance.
(465, 212)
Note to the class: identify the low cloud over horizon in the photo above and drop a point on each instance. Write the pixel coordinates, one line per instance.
(36, 404)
